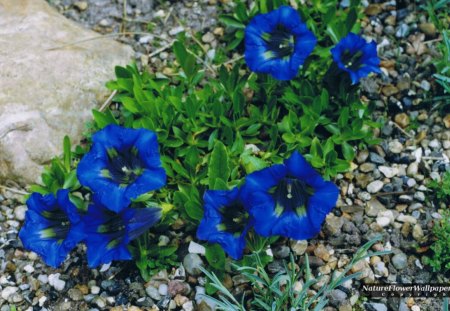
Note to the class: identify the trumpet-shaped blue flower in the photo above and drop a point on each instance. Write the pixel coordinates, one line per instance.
(52, 227)
(277, 43)
(225, 221)
(122, 164)
(108, 233)
(290, 199)
(356, 57)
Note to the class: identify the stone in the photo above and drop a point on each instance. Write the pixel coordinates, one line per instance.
(375, 186)
(428, 28)
(334, 223)
(446, 120)
(75, 294)
(28, 269)
(337, 297)
(374, 207)
(299, 247)
(9, 291)
(412, 169)
(417, 232)
(389, 90)
(406, 218)
(373, 9)
(425, 85)
(47, 86)
(281, 251)
(383, 221)
(395, 146)
(376, 158)
(153, 293)
(179, 287)
(195, 248)
(402, 31)
(19, 212)
(56, 282)
(95, 290)
(188, 306)
(99, 301)
(367, 167)
(399, 261)
(376, 306)
(191, 263)
(208, 37)
(162, 289)
(387, 171)
(81, 5)
(402, 119)
(419, 196)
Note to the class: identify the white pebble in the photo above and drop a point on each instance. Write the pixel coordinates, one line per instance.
(9, 291)
(95, 290)
(162, 290)
(375, 186)
(28, 269)
(43, 278)
(383, 221)
(195, 248)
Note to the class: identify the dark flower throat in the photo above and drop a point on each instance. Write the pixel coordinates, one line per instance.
(124, 166)
(280, 42)
(291, 194)
(352, 62)
(59, 225)
(234, 218)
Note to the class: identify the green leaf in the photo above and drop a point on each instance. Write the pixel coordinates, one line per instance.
(230, 21)
(352, 17)
(193, 210)
(67, 153)
(348, 151)
(122, 72)
(316, 148)
(215, 256)
(71, 180)
(180, 52)
(218, 167)
(103, 119)
(252, 163)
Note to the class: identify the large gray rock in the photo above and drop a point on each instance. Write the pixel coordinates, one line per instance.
(47, 88)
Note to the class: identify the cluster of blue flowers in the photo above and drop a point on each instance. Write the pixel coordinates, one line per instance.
(121, 165)
(278, 43)
(290, 200)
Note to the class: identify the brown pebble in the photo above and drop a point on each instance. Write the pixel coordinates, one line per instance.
(447, 120)
(389, 90)
(373, 9)
(428, 28)
(402, 119)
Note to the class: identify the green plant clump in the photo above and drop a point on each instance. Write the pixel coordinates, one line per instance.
(216, 122)
(285, 290)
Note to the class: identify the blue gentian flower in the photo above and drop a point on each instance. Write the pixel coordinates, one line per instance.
(108, 233)
(290, 199)
(356, 57)
(122, 164)
(225, 221)
(52, 227)
(277, 43)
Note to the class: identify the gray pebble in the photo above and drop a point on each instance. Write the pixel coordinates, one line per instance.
(153, 293)
(402, 31)
(376, 158)
(400, 261)
(191, 263)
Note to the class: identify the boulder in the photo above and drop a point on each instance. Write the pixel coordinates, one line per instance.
(49, 83)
